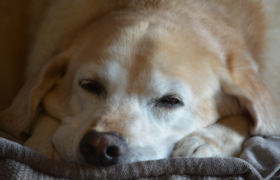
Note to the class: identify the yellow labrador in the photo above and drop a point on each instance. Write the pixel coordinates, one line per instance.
(133, 80)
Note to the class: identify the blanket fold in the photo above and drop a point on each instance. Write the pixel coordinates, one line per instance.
(260, 159)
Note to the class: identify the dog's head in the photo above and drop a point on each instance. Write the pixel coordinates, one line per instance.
(133, 84)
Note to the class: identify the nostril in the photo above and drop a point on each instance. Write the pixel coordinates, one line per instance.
(113, 151)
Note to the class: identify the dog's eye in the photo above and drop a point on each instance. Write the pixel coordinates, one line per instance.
(93, 87)
(169, 102)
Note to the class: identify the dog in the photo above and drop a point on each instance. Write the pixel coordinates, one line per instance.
(114, 82)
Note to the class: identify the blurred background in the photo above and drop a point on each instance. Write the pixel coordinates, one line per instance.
(13, 48)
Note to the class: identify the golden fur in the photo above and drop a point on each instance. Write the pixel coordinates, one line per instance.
(214, 50)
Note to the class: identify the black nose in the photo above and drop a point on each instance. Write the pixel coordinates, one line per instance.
(102, 149)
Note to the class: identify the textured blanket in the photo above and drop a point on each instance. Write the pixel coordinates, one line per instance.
(260, 159)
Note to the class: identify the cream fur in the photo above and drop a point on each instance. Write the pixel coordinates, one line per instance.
(212, 55)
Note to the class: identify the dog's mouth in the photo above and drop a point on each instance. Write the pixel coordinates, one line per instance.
(102, 149)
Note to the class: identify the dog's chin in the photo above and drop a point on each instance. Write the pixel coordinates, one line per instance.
(135, 154)
(146, 153)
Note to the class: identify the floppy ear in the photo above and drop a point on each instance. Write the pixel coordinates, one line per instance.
(23, 109)
(244, 82)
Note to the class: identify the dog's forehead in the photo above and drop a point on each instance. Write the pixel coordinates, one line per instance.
(128, 56)
(140, 54)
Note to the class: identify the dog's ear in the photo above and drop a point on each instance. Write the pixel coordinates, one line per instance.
(23, 109)
(244, 82)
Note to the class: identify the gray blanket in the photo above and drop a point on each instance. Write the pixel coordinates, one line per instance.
(260, 159)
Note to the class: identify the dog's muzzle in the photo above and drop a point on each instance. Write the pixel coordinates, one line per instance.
(102, 149)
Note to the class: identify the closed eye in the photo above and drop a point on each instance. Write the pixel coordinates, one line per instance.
(93, 86)
(169, 101)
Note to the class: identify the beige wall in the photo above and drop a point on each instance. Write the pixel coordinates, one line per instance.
(12, 49)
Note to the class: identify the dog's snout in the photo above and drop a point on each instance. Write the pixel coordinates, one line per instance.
(102, 149)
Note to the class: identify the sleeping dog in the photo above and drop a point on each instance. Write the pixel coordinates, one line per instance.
(133, 80)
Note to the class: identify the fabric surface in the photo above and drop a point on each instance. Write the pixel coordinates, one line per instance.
(260, 159)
